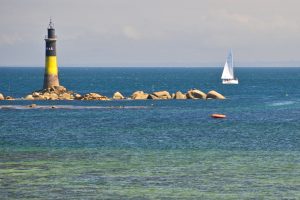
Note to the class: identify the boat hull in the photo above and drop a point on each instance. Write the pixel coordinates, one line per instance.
(218, 116)
(231, 81)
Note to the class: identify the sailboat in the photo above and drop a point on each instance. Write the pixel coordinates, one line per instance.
(228, 73)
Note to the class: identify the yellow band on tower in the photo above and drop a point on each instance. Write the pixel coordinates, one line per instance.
(51, 65)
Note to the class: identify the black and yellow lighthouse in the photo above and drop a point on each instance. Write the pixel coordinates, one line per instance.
(51, 69)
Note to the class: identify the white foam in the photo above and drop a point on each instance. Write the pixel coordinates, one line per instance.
(282, 103)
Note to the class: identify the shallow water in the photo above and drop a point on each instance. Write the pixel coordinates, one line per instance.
(152, 149)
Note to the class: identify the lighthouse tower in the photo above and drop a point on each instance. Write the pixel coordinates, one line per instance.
(51, 70)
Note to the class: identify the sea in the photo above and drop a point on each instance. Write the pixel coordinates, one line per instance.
(152, 149)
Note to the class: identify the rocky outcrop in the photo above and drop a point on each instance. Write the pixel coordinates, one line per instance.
(214, 95)
(162, 95)
(195, 94)
(94, 96)
(118, 96)
(61, 93)
(1, 97)
(139, 95)
(179, 95)
(53, 93)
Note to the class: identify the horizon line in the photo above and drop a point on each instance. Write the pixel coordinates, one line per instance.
(156, 66)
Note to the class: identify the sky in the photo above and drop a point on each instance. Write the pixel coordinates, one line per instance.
(154, 33)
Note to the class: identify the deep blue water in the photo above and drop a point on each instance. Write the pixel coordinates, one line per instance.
(255, 151)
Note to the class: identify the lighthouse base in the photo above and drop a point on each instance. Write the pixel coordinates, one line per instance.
(50, 81)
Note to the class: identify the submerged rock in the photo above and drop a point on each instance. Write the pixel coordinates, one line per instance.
(195, 94)
(214, 95)
(118, 96)
(139, 95)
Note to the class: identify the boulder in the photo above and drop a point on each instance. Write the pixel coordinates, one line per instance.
(118, 96)
(29, 97)
(94, 96)
(179, 95)
(214, 95)
(139, 95)
(60, 89)
(35, 94)
(162, 95)
(77, 96)
(53, 96)
(46, 95)
(195, 94)
(65, 96)
(1, 97)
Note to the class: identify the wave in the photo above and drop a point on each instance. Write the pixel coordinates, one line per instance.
(68, 107)
(283, 103)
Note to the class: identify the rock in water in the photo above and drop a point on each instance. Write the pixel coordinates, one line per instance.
(29, 97)
(53, 93)
(139, 95)
(94, 96)
(9, 98)
(65, 96)
(162, 95)
(214, 95)
(179, 95)
(1, 97)
(118, 96)
(195, 94)
(153, 97)
(77, 96)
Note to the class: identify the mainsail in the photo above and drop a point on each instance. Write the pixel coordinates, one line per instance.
(228, 68)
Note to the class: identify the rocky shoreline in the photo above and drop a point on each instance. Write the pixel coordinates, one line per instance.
(62, 93)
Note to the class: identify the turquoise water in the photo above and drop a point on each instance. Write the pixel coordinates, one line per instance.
(153, 149)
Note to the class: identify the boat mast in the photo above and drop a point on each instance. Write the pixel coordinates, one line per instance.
(231, 69)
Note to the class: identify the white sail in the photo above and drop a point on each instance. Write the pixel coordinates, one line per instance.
(228, 73)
